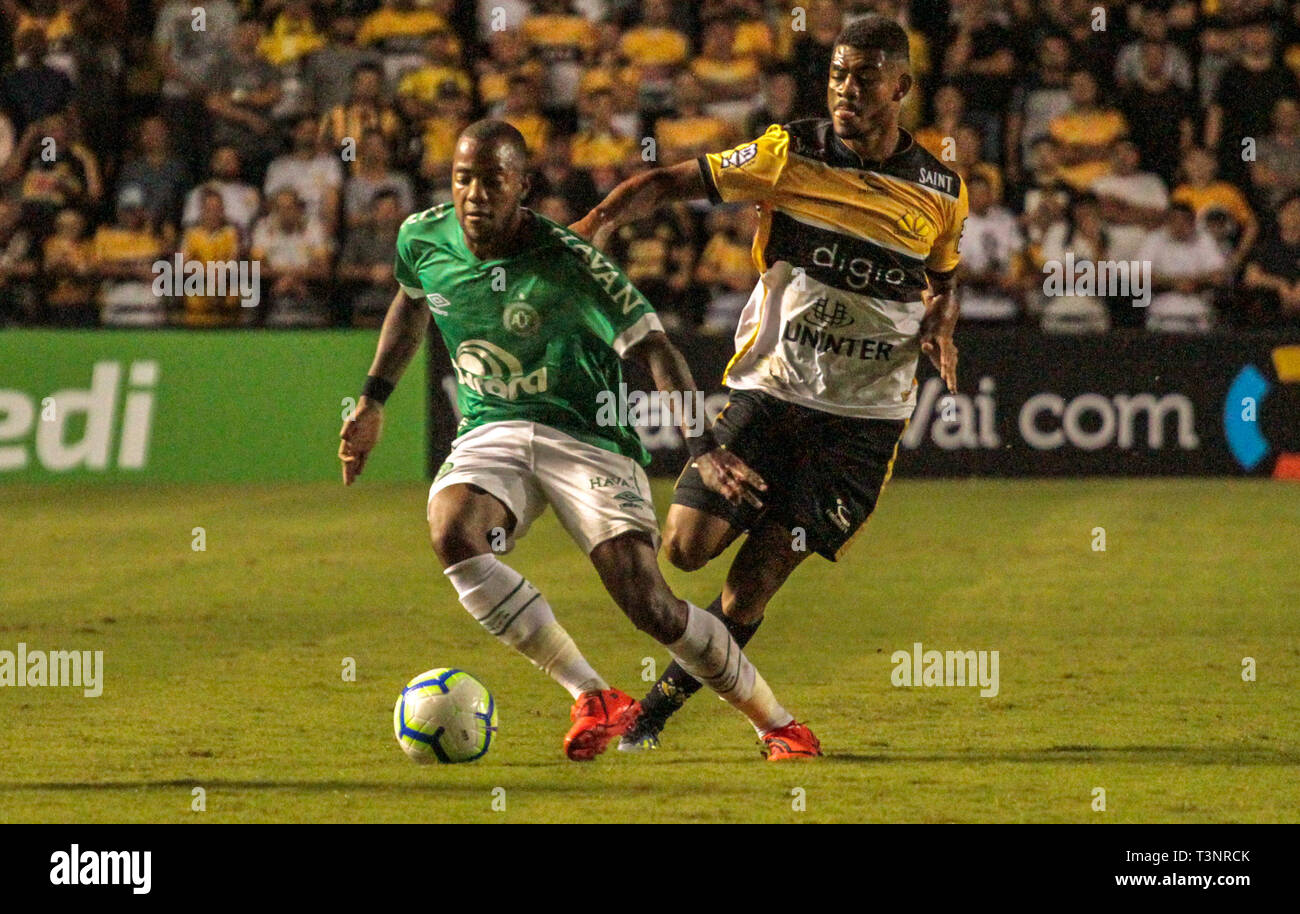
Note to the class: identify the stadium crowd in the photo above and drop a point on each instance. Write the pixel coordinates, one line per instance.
(300, 133)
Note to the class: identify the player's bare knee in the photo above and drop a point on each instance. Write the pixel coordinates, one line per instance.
(684, 551)
(746, 610)
(455, 541)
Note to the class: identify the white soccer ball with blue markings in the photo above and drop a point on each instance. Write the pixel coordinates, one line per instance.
(445, 716)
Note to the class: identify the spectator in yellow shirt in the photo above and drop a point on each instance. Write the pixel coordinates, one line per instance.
(656, 43)
(399, 30)
(723, 75)
(726, 261)
(658, 255)
(451, 115)
(51, 19)
(124, 254)
(293, 34)
(564, 41)
(507, 55)
(754, 38)
(521, 110)
(726, 267)
(418, 88)
(366, 110)
(1086, 132)
(70, 290)
(1205, 194)
(690, 132)
(212, 240)
(599, 144)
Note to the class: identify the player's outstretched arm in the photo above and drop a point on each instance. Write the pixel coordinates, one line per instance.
(638, 197)
(720, 470)
(404, 328)
(938, 324)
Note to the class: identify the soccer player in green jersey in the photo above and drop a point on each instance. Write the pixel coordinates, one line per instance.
(536, 320)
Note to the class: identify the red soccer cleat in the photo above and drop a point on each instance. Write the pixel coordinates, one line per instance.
(598, 717)
(794, 740)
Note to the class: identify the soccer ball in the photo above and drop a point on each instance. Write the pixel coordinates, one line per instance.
(445, 716)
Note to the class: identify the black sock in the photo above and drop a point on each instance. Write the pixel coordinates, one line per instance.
(676, 685)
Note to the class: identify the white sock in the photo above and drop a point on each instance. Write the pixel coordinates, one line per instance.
(707, 651)
(504, 603)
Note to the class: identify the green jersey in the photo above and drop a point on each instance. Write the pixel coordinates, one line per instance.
(535, 337)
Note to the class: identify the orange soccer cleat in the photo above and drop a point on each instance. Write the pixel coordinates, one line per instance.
(794, 740)
(598, 717)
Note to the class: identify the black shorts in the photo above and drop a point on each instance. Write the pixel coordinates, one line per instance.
(823, 472)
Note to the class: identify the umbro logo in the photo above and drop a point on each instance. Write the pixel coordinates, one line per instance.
(437, 304)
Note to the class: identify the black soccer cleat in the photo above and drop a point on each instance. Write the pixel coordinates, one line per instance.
(643, 736)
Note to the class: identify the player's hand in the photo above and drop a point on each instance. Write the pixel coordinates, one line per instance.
(729, 476)
(359, 436)
(587, 228)
(937, 343)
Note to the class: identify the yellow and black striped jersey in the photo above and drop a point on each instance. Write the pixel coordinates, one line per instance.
(843, 249)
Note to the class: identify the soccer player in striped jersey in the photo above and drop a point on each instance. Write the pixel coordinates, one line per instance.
(857, 247)
(536, 321)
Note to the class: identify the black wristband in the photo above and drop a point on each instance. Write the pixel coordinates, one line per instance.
(701, 444)
(376, 389)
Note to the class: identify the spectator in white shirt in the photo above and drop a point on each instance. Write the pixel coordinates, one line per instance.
(316, 175)
(294, 255)
(1133, 202)
(1084, 235)
(992, 260)
(1154, 28)
(241, 199)
(1186, 267)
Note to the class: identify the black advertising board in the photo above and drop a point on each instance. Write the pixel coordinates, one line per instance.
(1127, 403)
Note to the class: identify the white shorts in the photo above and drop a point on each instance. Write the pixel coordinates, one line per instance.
(596, 494)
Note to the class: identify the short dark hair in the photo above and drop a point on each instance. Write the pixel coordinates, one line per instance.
(876, 33)
(493, 131)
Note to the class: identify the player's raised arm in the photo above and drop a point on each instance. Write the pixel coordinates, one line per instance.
(749, 172)
(638, 197)
(721, 470)
(399, 340)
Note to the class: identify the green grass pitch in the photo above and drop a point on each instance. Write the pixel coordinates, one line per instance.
(1119, 670)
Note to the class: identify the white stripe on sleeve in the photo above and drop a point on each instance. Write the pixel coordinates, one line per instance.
(648, 324)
